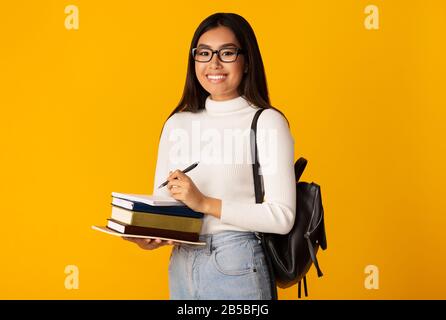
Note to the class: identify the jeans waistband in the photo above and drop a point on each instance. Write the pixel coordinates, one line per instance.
(217, 239)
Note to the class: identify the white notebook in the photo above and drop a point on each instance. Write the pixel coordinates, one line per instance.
(149, 199)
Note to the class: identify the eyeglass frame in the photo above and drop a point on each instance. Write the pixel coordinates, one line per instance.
(238, 52)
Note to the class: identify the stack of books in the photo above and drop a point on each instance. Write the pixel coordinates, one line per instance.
(154, 216)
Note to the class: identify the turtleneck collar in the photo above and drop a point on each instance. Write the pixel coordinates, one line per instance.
(226, 106)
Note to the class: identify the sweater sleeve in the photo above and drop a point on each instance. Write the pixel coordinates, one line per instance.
(276, 214)
(162, 162)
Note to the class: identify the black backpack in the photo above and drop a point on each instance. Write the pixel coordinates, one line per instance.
(290, 256)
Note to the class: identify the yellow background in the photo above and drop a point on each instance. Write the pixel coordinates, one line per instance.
(81, 113)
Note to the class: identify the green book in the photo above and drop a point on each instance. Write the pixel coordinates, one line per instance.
(159, 221)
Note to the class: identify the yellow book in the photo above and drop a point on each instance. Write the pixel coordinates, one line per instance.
(159, 221)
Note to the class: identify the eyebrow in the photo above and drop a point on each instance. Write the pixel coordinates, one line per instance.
(222, 46)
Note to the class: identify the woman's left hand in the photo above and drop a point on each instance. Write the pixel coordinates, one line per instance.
(182, 188)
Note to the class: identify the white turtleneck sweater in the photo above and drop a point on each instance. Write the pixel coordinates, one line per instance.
(218, 137)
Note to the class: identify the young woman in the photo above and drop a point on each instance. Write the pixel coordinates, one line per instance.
(225, 85)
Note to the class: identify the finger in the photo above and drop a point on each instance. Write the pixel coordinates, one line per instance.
(168, 176)
(175, 190)
(176, 193)
(154, 245)
(131, 239)
(178, 174)
(138, 241)
(173, 178)
(171, 173)
(151, 241)
(175, 183)
(142, 240)
(164, 243)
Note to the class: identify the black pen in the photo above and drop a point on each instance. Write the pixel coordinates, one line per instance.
(184, 171)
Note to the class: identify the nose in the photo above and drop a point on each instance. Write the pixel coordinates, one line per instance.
(215, 62)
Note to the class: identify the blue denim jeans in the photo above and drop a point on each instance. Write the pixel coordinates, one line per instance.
(231, 266)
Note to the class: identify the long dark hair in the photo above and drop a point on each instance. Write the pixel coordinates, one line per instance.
(253, 86)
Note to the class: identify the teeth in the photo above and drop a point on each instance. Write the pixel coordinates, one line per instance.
(216, 77)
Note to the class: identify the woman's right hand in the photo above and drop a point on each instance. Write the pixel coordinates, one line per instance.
(149, 244)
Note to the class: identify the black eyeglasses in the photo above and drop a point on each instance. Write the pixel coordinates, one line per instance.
(224, 54)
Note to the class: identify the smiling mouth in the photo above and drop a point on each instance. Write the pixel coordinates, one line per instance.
(216, 78)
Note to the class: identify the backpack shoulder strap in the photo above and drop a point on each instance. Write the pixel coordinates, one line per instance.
(299, 168)
(255, 158)
(259, 193)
